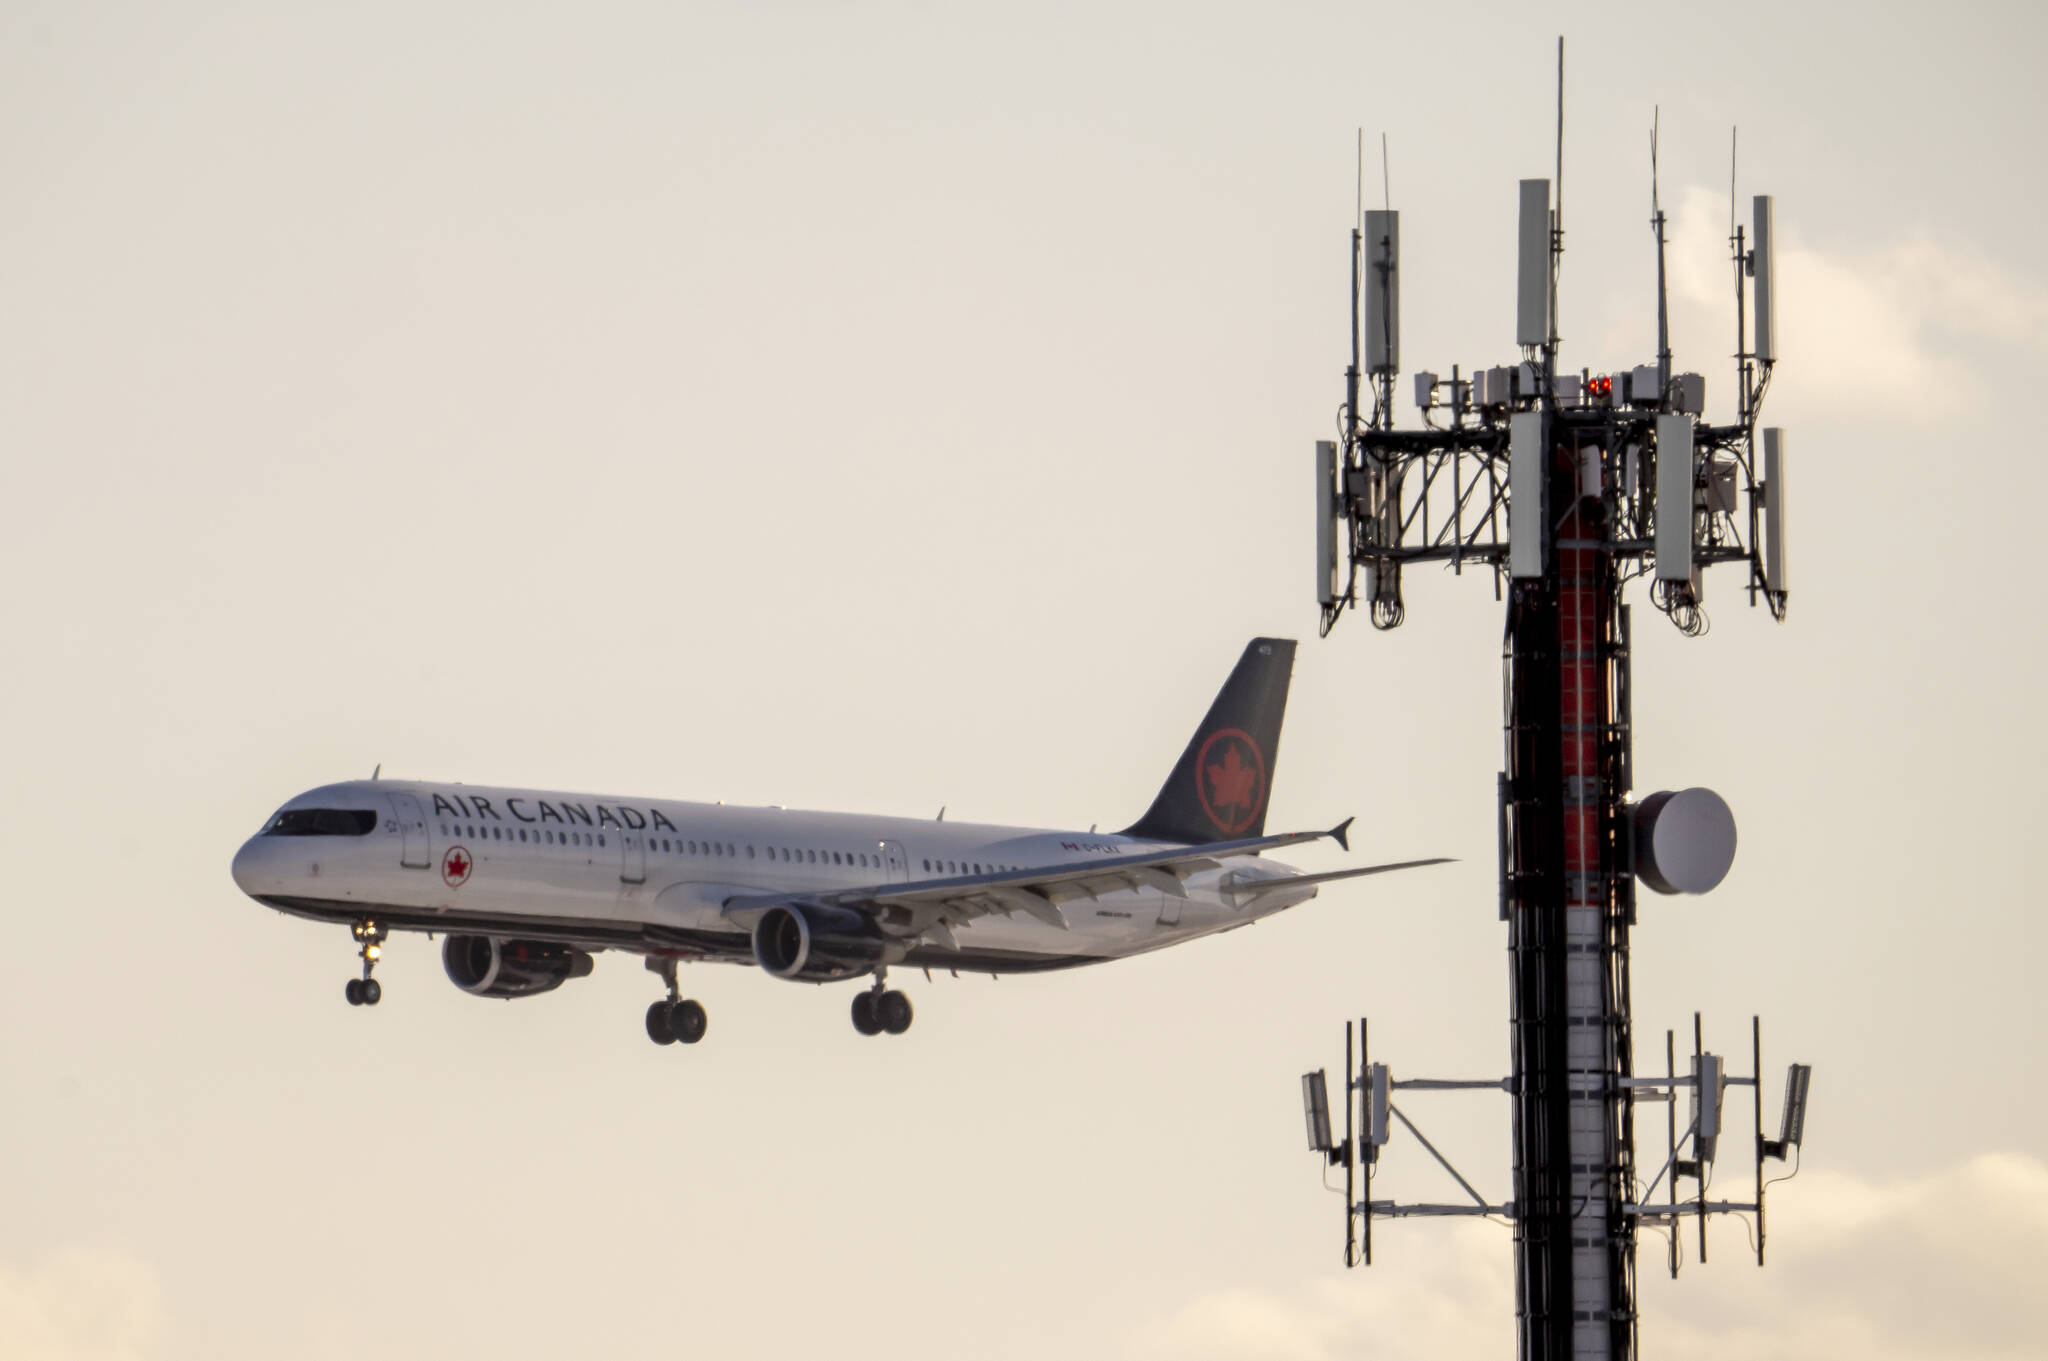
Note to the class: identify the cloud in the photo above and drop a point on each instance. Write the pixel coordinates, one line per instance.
(1902, 328)
(1942, 1265)
(79, 1306)
(1939, 1265)
(1439, 1289)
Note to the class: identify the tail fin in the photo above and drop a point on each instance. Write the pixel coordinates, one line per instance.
(1218, 792)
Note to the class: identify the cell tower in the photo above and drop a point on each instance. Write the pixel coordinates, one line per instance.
(1566, 486)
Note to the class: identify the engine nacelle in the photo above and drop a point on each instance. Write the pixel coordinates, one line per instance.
(486, 966)
(816, 944)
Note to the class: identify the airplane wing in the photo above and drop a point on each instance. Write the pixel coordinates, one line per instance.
(931, 907)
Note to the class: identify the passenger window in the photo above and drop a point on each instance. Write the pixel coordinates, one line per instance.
(812, 856)
(750, 852)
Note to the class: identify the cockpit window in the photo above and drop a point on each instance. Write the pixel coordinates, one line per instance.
(323, 822)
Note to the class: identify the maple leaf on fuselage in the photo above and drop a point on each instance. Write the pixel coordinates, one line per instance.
(1232, 781)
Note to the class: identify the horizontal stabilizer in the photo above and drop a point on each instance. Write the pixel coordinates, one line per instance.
(1251, 889)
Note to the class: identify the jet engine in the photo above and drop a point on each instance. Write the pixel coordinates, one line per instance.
(486, 966)
(813, 944)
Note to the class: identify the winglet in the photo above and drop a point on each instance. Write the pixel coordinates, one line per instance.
(1341, 833)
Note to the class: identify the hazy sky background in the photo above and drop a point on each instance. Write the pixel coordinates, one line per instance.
(886, 406)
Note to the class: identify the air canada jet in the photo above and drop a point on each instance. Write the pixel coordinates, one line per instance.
(526, 885)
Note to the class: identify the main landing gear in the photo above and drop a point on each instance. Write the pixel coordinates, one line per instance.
(879, 1009)
(675, 1019)
(366, 991)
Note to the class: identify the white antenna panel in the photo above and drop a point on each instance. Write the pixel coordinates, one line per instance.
(1765, 270)
(1327, 534)
(1774, 510)
(1532, 291)
(1528, 460)
(1708, 1088)
(1674, 498)
(1382, 291)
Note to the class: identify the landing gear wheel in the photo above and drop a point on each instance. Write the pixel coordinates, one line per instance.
(892, 1009)
(658, 1028)
(688, 1021)
(364, 991)
(864, 1018)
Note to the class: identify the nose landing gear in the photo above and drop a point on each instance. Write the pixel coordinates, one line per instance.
(675, 1019)
(879, 1009)
(366, 991)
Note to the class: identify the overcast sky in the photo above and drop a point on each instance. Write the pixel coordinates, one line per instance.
(882, 407)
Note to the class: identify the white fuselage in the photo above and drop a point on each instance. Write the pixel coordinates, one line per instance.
(654, 876)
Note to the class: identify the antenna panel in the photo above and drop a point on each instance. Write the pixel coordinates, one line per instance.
(1792, 1128)
(1382, 291)
(1707, 1091)
(1327, 531)
(1379, 1096)
(1532, 292)
(1765, 270)
(1674, 498)
(1774, 509)
(1528, 459)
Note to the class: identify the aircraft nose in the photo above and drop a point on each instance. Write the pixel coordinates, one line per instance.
(247, 866)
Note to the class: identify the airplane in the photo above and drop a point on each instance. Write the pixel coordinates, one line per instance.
(527, 885)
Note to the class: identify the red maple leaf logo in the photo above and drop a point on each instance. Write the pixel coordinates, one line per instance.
(455, 867)
(1232, 788)
(1232, 782)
